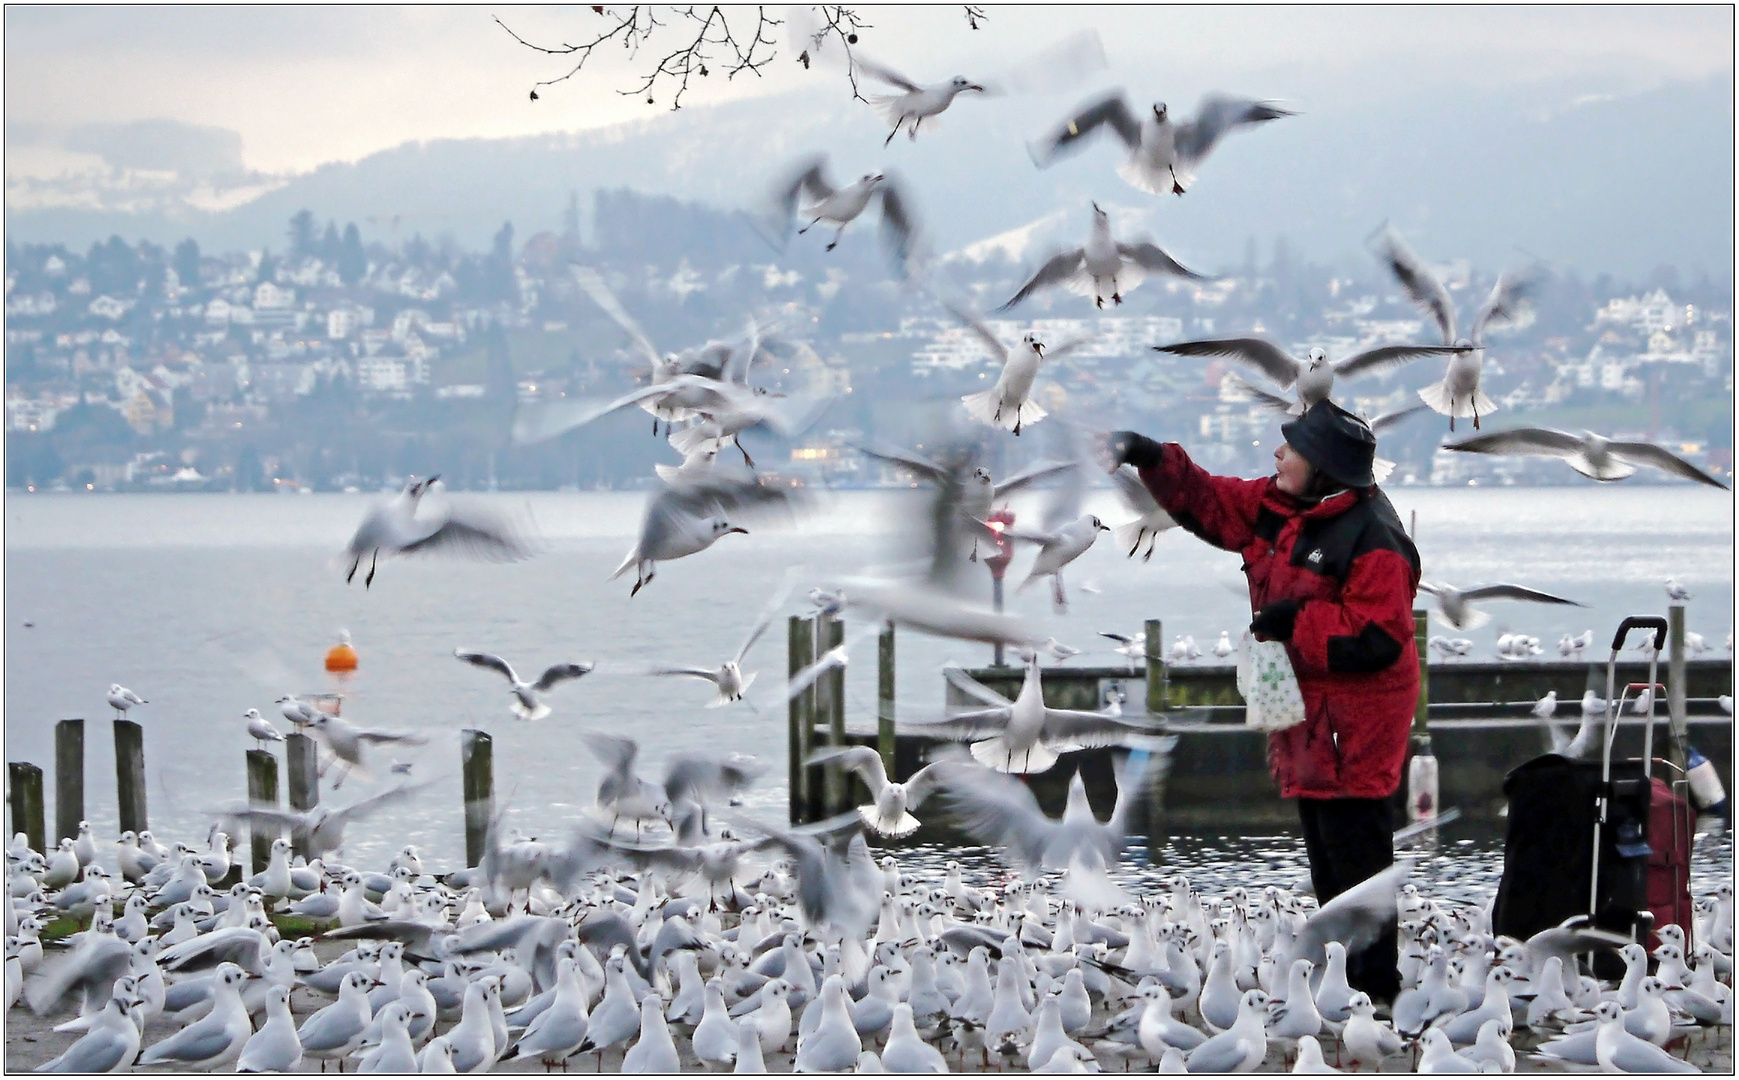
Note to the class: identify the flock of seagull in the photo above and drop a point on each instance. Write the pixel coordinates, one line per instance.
(669, 929)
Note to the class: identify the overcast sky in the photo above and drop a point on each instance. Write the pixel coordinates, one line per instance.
(304, 86)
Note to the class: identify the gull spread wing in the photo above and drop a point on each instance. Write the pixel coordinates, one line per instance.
(1150, 256)
(910, 459)
(862, 760)
(1506, 300)
(1649, 454)
(1032, 474)
(557, 673)
(1259, 354)
(1217, 115)
(1110, 110)
(1390, 356)
(968, 685)
(1423, 287)
(489, 661)
(1262, 397)
(593, 285)
(1514, 592)
(1056, 270)
(882, 73)
(473, 535)
(985, 334)
(1541, 441)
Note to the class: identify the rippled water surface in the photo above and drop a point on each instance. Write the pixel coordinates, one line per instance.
(211, 604)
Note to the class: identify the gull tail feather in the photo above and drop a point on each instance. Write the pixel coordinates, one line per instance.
(903, 825)
(997, 754)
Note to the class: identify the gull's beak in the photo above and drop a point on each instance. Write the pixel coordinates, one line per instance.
(1039, 347)
(976, 87)
(737, 529)
(1104, 527)
(1096, 209)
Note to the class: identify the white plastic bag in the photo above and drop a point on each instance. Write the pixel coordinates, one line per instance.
(1270, 689)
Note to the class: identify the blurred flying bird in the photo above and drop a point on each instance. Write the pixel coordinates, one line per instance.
(394, 528)
(525, 702)
(1594, 456)
(1102, 267)
(1163, 152)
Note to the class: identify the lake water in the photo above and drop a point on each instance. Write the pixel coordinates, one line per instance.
(210, 604)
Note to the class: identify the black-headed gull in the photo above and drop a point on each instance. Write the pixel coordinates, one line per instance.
(807, 193)
(728, 677)
(1163, 152)
(260, 729)
(684, 518)
(394, 528)
(1455, 606)
(525, 701)
(889, 811)
(121, 699)
(1008, 404)
(1314, 376)
(1459, 393)
(1594, 456)
(1102, 267)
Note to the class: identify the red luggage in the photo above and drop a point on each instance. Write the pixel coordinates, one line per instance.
(1670, 826)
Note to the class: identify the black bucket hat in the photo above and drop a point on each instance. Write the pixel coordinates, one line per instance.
(1335, 442)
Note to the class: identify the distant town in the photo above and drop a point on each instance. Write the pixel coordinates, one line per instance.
(329, 364)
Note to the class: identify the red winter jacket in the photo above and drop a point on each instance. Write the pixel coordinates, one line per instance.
(1352, 645)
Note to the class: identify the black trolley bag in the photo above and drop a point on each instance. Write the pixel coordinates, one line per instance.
(1577, 836)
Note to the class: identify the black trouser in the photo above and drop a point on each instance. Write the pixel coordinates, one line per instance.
(1349, 840)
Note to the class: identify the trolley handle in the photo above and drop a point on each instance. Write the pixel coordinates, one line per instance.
(1641, 622)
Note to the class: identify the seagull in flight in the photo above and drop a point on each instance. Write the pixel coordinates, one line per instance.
(979, 492)
(394, 528)
(1594, 456)
(1459, 393)
(684, 518)
(1456, 605)
(1008, 404)
(1103, 267)
(888, 812)
(728, 677)
(808, 193)
(525, 701)
(915, 106)
(323, 826)
(1163, 152)
(1313, 376)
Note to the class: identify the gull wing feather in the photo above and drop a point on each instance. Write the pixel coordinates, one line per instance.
(863, 760)
(1643, 453)
(977, 325)
(1217, 115)
(968, 685)
(1262, 397)
(559, 673)
(1390, 420)
(1056, 270)
(1388, 357)
(999, 809)
(771, 609)
(1150, 256)
(1506, 300)
(391, 797)
(1264, 357)
(899, 228)
(475, 535)
(1514, 592)
(883, 73)
(592, 283)
(489, 661)
(974, 724)
(1355, 917)
(1541, 441)
(908, 458)
(1423, 288)
(1112, 110)
(1032, 474)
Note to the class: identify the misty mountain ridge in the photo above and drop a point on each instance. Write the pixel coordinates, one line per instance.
(1491, 173)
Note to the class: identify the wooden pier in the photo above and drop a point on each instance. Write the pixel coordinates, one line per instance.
(1474, 715)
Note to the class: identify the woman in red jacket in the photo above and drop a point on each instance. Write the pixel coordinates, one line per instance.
(1333, 574)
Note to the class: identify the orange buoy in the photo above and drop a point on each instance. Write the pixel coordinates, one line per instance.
(341, 657)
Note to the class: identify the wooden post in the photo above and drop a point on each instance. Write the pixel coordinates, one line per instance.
(1158, 693)
(262, 792)
(1676, 686)
(799, 654)
(302, 771)
(69, 778)
(885, 738)
(477, 756)
(837, 784)
(1421, 709)
(130, 775)
(25, 782)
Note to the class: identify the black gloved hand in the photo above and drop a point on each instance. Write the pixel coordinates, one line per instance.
(1274, 622)
(1129, 448)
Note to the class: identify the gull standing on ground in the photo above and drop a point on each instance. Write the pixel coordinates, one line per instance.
(1594, 456)
(728, 677)
(525, 701)
(805, 191)
(1455, 606)
(1619, 1051)
(1569, 645)
(887, 812)
(216, 1040)
(1102, 267)
(685, 518)
(260, 729)
(1314, 376)
(1008, 404)
(393, 528)
(275, 1047)
(1163, 153)
(110, 1045)
(1459, 393)
(121, 699)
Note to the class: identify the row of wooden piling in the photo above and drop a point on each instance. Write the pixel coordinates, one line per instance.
(301, 773)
